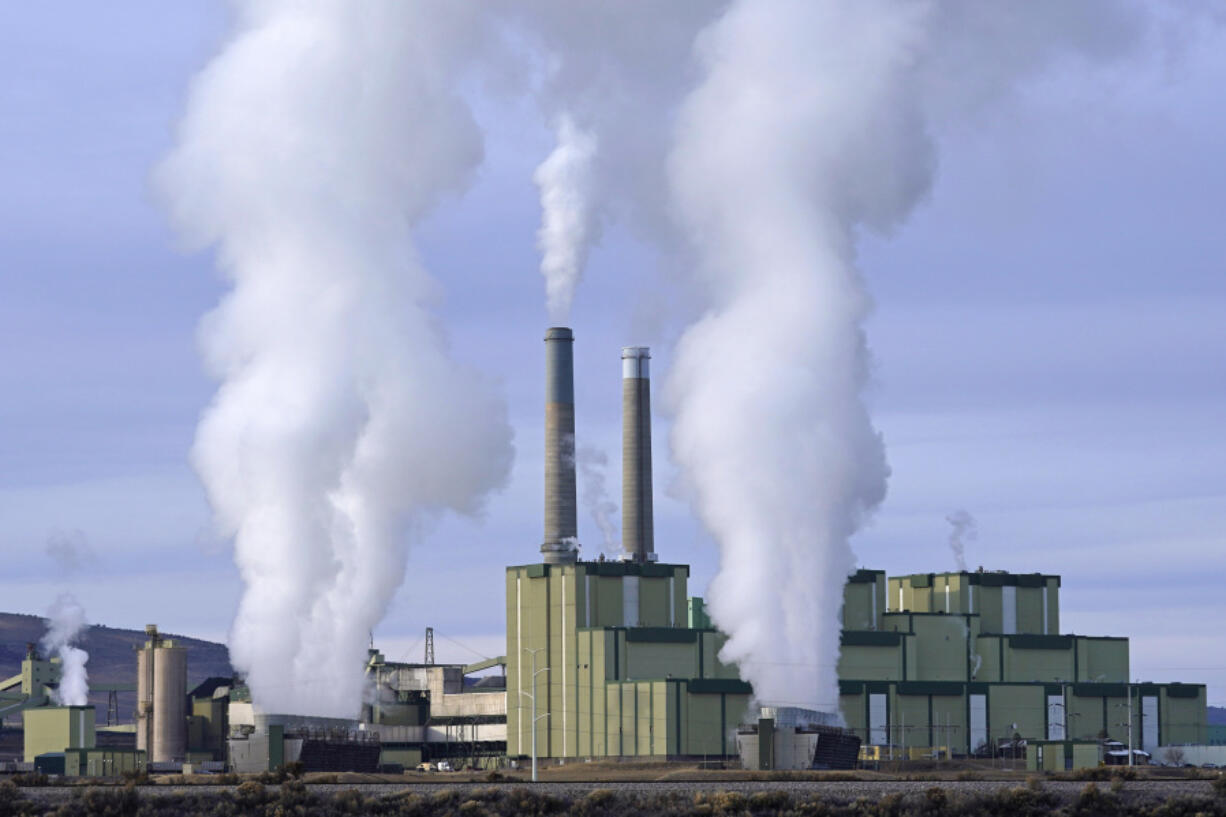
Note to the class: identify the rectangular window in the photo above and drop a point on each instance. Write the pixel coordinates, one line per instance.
(878, 726)
(979, 722)
(1008, 610)
(1149, 723)
(630, 601)
(1055, 717)
(672, 618)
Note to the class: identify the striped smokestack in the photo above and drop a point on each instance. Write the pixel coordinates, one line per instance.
(638, 538)
(561, 527)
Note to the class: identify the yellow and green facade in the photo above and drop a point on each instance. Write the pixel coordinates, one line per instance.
(962, 662)
(618, 669)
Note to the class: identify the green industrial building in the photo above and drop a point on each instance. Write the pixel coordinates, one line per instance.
(614, 659)
(621, 661)
(964, 663)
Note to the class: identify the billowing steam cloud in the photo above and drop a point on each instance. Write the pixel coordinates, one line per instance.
(310, 147)
(568, 226)
(65, 623)
(770, 427)
(812, 121)
(963, 529)
(592, 464)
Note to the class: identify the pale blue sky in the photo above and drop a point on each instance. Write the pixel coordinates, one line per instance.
(1050, 339)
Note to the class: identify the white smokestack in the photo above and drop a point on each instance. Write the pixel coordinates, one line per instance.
(65, 623)
(964, 529)
(310, 147)
(568, 226)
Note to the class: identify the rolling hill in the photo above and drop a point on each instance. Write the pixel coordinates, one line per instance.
(112, 659)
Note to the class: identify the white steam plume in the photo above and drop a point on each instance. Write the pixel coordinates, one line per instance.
(65, 623)
(964, 529)
(310, 147)
(592, 464)
(568, 226)
(811, 121)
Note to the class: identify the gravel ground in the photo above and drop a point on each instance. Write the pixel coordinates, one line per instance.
(1148, 790)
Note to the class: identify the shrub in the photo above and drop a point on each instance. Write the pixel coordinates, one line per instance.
(769, 802)
(1015, 802)
(965, 776)
(600, 798)
(935, 800)
(294, 793)
(12, 802)
(30, 779)
(1093, 773)
(1219, 785)
(1093, 802)
(1034, 782)
(724, 802)
(251, 794)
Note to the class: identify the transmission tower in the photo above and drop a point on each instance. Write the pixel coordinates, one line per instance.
(429, 645)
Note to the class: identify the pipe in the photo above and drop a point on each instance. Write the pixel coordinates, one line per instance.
(561, 526)
(638, 537)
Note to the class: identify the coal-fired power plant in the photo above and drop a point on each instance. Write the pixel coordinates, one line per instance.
(638, 541)
(561, 513)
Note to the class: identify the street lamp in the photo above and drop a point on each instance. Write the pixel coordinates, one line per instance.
(532, 695)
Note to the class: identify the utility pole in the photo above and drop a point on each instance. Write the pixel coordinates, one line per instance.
(532, 695)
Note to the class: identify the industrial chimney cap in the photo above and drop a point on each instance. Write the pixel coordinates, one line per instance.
(634, 362)
(559, 333)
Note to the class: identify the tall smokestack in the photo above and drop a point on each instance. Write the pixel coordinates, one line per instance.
(561, 527)
(638, 538)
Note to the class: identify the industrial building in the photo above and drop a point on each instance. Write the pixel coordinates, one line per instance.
(418, 712)
(964, 663)
(614, 659)
(606, 658)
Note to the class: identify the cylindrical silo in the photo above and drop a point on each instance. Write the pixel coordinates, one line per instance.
(169, 704)
(144, 697)
(161, 699)
(561, 526)
(638, 539)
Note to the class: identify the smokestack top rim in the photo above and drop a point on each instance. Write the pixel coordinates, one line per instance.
(559, 333)
(632, 352)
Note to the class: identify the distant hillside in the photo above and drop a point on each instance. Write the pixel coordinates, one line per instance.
(1217, 715)
(112, 659)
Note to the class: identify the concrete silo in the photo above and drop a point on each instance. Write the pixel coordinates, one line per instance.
(161, 699)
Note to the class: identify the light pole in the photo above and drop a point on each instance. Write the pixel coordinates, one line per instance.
(532, 695)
